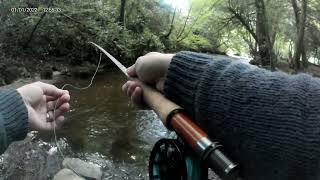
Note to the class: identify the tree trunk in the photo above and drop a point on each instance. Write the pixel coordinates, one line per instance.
(290, 56)
(305, 62)
(185, 23)
(36, 26)
(166, 36)
(122, 13)
(299, 42)
(263, 39)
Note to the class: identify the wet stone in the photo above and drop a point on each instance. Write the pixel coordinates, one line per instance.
(87, 170)
(67, 174)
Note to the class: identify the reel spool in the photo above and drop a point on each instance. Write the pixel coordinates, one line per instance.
(170, 159)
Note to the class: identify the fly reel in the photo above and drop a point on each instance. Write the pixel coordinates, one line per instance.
(171, 159)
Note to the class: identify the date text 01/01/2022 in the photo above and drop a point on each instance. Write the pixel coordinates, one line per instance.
(34, 10)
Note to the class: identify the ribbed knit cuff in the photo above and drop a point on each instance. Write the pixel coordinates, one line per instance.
(15, 115)
(183, 77)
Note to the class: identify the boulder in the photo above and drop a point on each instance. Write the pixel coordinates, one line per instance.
(85, 169)
(67, 174)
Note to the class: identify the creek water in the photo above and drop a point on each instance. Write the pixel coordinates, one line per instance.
(103, 127)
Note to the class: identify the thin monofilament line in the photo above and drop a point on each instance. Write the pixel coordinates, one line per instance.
(55, 107)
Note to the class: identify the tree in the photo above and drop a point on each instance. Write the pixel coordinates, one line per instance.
(122, 13)
(252, 16)
(300, 17)
(262, 29)
(166, 36)
(265, 48)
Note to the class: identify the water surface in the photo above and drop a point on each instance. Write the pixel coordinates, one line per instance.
(104, 124)
(103, 127)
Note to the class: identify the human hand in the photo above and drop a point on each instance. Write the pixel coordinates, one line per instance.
(150, 69)
(40, 100)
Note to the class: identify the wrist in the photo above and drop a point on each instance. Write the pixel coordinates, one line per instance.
(25, 100)
(166, 63)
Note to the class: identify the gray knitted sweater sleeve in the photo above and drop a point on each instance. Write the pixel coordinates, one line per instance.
(13, 118)
(268, 122)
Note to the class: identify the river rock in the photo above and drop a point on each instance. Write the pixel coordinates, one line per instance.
(67, 174)
(87, 170)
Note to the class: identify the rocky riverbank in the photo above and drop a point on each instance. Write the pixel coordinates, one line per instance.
(35, 159)
(13, 69)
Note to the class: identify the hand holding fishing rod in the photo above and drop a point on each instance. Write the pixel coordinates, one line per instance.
(146, 72)
(152, 69)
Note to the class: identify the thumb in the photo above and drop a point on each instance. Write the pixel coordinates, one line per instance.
(50, 90)
(132, 71)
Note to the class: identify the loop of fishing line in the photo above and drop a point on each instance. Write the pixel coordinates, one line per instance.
(55, 107)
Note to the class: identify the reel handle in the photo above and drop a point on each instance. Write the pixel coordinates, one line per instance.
(222, 166)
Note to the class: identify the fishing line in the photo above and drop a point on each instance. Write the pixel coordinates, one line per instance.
(55, 107)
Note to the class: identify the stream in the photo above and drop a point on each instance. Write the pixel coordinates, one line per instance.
(103, 127)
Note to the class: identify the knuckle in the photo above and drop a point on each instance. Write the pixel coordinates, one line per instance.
(151, 53)
(38, 83)
(139, 64)
(139, 60)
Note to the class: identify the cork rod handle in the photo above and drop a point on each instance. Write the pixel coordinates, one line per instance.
(156, 101)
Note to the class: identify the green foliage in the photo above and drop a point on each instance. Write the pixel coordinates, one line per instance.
(205, 26)
(67, 34)
(195, 43)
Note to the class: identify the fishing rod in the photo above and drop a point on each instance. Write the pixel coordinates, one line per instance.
(174, 118)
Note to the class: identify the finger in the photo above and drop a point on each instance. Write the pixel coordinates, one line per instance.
(136, 97)
(60, 121)
(56, 104)
(63, 109)
(63, 99)
(132, 71)
(57, 124)
(131, 87)
(125, 87)
(50, 90)
(152, 53)
(51, 105)
(50, 98)
(53, 98)
(49, 116)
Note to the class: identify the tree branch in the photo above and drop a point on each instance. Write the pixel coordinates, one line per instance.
(36, 26)
(185, 23)
(243, 21)
(172, 22)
